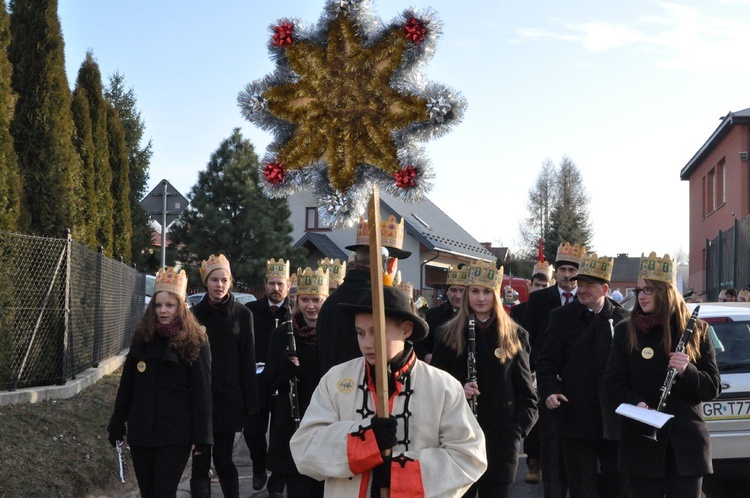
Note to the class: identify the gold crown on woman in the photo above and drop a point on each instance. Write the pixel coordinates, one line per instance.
(312, 282)
(391, 232)
(574, 253)
(335, 268)
(170, 281)
(278, 268)
(485, 274)
(594, 266)
(213, 263)
(655, 268)
(457, 276)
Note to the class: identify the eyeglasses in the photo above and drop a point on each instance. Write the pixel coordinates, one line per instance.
(648, 290)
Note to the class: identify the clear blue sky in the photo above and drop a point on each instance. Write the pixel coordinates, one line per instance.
(628, 90)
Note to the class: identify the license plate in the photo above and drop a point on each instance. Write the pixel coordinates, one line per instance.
(726, 410)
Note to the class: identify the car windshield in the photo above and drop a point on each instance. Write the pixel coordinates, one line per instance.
(732, 344)
(150, 281)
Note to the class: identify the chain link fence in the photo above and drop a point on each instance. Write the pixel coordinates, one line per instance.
(63, 308)
(728, 259)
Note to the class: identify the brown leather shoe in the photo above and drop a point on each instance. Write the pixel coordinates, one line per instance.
(534, 473)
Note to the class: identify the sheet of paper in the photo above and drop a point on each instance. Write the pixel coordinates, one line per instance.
(650, 417)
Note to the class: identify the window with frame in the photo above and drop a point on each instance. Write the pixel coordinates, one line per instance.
(313, 222)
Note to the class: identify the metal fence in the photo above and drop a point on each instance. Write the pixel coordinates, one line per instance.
(728, 259)
(63, 308)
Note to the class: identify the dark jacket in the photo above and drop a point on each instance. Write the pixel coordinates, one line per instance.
(507, 406)
(265, 320)
(435, 318)
(162, 399)
(337, 340)
(233, 386)
(536, 317)
(631, 378)
(517, 311)
(572, 362)
(279, 371)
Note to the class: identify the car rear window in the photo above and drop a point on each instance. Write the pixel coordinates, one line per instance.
(732, 344)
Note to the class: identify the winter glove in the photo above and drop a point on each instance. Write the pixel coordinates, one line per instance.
(113, 438)
(385, 432)
(381, 476)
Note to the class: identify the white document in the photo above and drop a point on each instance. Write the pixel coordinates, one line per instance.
(650, 417)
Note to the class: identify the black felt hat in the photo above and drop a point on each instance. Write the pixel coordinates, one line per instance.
(397, 305)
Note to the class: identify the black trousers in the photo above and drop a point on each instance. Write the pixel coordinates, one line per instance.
(552, 460)
(299, 486)
(672, 485)
(222, 456)
(591, 467)
(531, 443)
(158, 470)
(256, 427)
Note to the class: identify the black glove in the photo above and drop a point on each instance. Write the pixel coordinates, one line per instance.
(385, 432)
(381, 476)
(201, 449)
(288, 369)
(113, 438)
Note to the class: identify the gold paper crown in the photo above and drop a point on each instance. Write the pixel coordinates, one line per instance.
(213, 263)
(169, 281)
(542, 268)
(407, 288)
(312, 283)
(573, 254)
(391, 232)
(278, 268)
(336, 269)
(596, 267)
(485, 274)
(654, 268)
(457, 276)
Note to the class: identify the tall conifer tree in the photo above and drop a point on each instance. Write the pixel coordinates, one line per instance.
(118, 162)
(10, 176)
(90, 83)
(84, 143)
(42, 125)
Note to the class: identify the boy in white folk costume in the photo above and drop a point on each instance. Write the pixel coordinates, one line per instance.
(438, 448)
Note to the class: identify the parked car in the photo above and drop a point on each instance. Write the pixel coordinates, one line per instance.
(149, 292)
(240, 297)
(728, 416)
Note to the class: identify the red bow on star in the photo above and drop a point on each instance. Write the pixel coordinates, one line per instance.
(282, 34)
(415, 30)
(405, 177)
(275, 173)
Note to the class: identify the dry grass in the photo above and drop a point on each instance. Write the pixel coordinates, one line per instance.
(59, 448)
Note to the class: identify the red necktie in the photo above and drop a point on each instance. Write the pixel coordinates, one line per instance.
(567, 296)
(275, 308)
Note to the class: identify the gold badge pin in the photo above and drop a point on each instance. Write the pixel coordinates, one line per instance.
(346, 385)
(647, 353)
(141, 366)
(498, 353)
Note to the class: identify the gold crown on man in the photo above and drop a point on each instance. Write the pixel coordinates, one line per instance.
(170, 281)
(391, 232)
(457, 276)
(213, 263)
(278, 268)
(485, 274)
(336, 269)
(312, 282)
(595, 267)
(407, 288)
(573, 254)
(542, 268)
(655, 268)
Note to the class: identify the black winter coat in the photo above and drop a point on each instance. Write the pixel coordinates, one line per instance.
(264, 322)
(507, 407)
(162, 399)
(233, 385)
(337, 339)
(279, 371)
(572, 362)
(435, 318)
(536, 317)
(631, 378)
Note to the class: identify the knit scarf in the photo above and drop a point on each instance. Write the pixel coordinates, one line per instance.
(225, 305)
(486, 324)
(644, 323)
(168, 329)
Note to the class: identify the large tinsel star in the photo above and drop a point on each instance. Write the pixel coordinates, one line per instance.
(347, 105)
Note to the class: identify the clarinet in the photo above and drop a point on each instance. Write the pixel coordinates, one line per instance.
(666, 388)
(471, 362)
(293, 382)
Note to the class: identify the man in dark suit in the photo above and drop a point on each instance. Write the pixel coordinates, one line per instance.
(535, 321)
(337, 341)
(268, 313)
(437, 316)
(570, 373)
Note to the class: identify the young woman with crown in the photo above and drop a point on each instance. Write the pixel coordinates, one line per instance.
(500, 386)
(642, 354)
(234, 391)
(164, 398)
